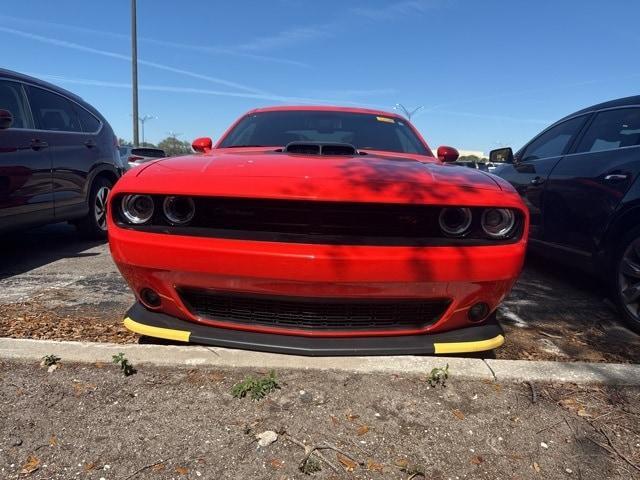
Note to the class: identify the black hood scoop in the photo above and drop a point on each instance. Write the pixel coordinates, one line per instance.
(316, 148)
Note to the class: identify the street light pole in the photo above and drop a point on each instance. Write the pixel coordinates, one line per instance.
(142, 120)
(134, 72)
(406, 112)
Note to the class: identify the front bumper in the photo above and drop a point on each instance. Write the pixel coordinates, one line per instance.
(478, 338)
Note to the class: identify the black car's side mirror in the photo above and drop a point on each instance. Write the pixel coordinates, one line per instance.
(501, 155)
(6, 119)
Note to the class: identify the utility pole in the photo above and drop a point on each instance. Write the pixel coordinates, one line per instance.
(134, 72)
(406, 112)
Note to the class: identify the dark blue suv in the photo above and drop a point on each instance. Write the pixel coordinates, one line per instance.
(58, 157)
(579, 178)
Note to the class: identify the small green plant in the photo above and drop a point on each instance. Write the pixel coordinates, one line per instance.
(438, 376)
(49, 360)
(125, 366)
(310, 465)
(256, 388)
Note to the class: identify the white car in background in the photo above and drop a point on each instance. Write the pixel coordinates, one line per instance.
(132, 156)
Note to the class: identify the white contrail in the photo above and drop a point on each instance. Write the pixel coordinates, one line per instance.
(165, 43)
(106, 53)
(202, 91)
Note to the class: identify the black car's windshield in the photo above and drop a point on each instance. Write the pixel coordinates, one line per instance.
(363, 131)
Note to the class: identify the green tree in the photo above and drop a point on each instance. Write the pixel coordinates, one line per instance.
(172, 146)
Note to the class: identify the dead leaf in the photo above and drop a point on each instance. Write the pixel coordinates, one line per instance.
(374, 466)
(351, 417)
(53, 441)
(362, 429)
(182, 470)
(536, 467)
(276, 463)
(458, 414)
(477, 460)
(348, 464)
(497, 387)
(334, 420)
(582, 412)
(89, 466)
(31, 465)
(158, 467)
(401, 462)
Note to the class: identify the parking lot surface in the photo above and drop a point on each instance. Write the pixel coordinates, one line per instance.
(56, 286)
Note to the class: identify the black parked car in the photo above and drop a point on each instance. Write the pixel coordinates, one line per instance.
(579, 178)
(58, 157)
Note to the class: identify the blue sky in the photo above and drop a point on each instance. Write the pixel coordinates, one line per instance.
(488, 72)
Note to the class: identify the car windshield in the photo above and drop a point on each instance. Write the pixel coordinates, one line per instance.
(362, 130)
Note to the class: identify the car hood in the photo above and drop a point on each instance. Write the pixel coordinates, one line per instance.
(371, 177)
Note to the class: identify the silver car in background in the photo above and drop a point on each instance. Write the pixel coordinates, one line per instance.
(132, 156)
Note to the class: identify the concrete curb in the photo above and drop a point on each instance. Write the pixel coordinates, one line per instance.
(191, 355)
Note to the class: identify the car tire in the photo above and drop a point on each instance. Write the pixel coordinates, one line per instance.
(94, 225)
(626, 279)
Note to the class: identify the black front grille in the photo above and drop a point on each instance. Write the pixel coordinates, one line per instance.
(315, 313)
(319, 222)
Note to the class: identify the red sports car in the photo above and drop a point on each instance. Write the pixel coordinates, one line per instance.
(318, 231)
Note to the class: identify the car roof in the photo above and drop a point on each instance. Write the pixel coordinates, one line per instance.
(36, 81)
(618, 102)
(324, 108)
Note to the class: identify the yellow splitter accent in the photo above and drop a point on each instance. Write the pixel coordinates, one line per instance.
(468, 347)
(158, 332)
(439, 348)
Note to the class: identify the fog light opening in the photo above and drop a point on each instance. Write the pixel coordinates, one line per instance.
(150, 298)
(478, 312)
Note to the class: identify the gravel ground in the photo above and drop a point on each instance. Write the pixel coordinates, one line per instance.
(92, 422)
(71, 290)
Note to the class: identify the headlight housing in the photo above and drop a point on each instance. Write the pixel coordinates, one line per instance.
(498, 222)
(455, 221)
(179, 210)
(137, 209)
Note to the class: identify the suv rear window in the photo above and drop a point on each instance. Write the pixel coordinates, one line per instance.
(148, 152)
(52, 111)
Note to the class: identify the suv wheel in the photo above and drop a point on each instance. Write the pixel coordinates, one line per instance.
(94, 225)
(627, 286)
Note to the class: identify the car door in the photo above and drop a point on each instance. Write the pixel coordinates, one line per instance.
(585, 188)
(72, 150)
(533, 163)
(26, 195)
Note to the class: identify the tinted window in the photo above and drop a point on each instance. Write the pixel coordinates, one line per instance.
(12, 99)
(363, 131)
(148, 152)
(554, 141)
(612, 129)
(52, 111)
(88, 122)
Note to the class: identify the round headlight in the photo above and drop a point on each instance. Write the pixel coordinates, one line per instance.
(179, 210)
(137, 209)
(455, 221)
(498, 222)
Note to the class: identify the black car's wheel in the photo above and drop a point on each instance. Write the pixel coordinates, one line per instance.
(94, 225)
(627, 279)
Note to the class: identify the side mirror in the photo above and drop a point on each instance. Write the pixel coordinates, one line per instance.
(6, 119)
(202, 144)
(501, 155)
(447, 154)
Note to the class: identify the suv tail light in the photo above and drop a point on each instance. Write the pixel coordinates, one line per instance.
(133, 158)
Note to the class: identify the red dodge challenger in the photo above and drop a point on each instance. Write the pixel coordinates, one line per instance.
(318, 231)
